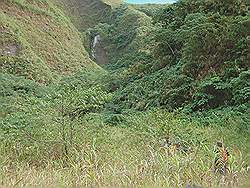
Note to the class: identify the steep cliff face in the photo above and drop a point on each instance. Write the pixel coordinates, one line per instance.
(38, 41)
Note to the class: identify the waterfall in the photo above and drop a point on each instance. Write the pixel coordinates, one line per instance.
(98, 52)
(96, 41)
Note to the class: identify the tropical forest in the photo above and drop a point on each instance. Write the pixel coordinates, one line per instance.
(125, 93)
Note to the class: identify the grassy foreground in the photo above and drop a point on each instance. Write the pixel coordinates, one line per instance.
(43, 144)
(106, 156)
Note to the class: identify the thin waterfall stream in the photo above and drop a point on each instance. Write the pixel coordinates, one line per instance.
(98, 52)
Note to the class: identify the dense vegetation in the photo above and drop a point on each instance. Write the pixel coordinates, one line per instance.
(38, 41)
(195, 56)
(170, 109)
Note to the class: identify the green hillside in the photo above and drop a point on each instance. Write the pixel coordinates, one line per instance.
(194, 60)
(167, 106)
(38, 41)
(87, 13)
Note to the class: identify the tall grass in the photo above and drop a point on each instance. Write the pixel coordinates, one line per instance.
(130, 154)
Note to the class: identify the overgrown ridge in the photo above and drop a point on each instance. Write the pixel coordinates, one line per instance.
(86, 13)
(169, 108)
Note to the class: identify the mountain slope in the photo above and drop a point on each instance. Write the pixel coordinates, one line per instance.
(87, 13)
(192, 55)
(38, 41)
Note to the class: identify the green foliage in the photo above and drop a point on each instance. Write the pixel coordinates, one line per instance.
(192, 57)
(22, 67)
(149, 9)
(87, 13)
(85, 100)
(241, 88)
(41, 117)
(120, 41)
(86, 129)
(134, 145)
(39, 42)
(14, 85)
(114, 119)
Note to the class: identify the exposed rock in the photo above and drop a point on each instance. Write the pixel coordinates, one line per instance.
(9, 49)
(98, 51)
